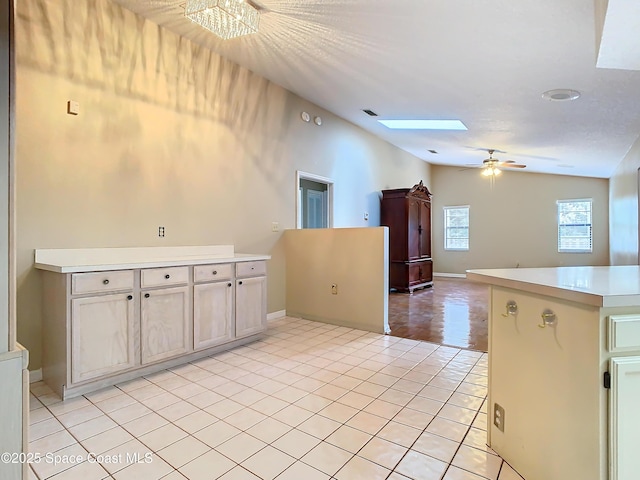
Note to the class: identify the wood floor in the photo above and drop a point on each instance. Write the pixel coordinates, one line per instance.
(452, 312)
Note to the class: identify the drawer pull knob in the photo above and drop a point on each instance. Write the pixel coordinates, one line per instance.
(253, 268)
(549, 319)
(146, 295)
(106, 281)
(240, 282)
(512, 308)
(215, 272)
(129, 297)
(167, 276)
(229, 284)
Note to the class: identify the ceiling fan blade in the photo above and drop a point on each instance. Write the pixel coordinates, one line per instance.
(511, 165)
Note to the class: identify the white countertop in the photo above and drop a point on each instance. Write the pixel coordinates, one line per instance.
(103, 259)
(617, 286)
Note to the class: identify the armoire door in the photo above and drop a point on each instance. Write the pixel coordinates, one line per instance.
(425, 229)
(413, 228)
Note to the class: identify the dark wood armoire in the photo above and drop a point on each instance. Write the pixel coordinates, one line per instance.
(407, 213)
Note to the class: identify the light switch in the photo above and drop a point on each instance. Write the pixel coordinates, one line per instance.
(73, 107)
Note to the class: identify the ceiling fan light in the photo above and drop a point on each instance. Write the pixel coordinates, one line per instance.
(491, 172)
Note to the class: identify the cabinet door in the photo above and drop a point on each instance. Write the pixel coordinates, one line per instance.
(393, 214)
(212, 314)
(102, 336)
(251, 306)
(413, 228)
(425, 229)
(624, 418)
(164, 323)
(426, 271)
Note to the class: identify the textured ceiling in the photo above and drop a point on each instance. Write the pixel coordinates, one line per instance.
(485, 63)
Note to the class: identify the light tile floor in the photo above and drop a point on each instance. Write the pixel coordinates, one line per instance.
(309, 401)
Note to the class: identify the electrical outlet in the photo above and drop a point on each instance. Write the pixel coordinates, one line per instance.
(334, 289)
(161, 231)
(366, 216)
(498, 417)
(275, 227)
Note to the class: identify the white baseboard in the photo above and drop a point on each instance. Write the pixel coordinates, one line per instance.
(35, 375)
(276, 315)
(450, 275)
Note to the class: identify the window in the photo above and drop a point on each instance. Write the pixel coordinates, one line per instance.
(456, 228)
(574, 225)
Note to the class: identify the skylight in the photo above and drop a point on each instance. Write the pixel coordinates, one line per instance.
(424, 124)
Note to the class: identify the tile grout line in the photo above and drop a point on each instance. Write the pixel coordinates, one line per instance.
(322, 350)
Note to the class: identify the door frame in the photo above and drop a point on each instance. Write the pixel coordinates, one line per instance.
(300, 175)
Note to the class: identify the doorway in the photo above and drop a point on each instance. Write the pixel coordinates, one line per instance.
(314, 205)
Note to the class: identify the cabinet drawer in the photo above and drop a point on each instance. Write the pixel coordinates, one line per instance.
(249, 269)
(209, 273)
(624, 332)
(157, 277)
(96, 282)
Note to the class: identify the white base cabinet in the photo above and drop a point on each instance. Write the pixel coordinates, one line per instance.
(567, 376)
(106, 327)
(625, 418)
(251, 315)
(212, 314)
(102, 336)
(164, 324)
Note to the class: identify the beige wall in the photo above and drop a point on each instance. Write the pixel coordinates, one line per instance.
(623, 209)
(356, 260)
(168, 134)
(514, 221)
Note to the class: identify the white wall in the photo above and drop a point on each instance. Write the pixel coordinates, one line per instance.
(623, 209)
(514, 221)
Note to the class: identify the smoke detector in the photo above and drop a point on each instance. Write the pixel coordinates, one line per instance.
(561, 95)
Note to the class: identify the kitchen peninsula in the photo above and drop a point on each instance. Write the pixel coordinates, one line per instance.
(113, 314)
(564, 370)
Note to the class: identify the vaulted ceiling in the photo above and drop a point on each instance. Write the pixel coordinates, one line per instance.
(484, 63)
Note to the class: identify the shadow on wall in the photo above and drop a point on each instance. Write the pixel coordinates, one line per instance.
(101, 45)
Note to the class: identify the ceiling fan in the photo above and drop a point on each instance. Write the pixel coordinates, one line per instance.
(491, 166)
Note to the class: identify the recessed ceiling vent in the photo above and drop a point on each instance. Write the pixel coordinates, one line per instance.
(371, 113)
